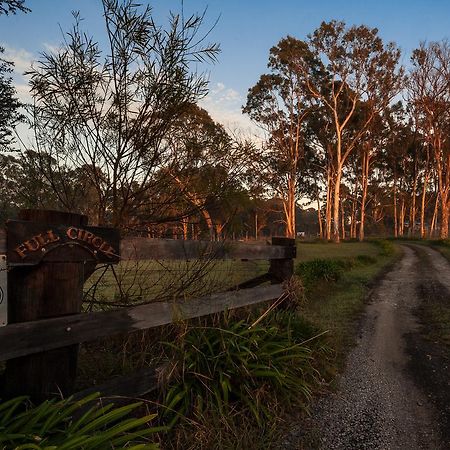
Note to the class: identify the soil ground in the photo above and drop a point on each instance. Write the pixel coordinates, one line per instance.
(394, 392)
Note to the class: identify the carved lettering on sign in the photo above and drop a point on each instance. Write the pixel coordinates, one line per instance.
(36, 242)
(39, 241)
(78, 234)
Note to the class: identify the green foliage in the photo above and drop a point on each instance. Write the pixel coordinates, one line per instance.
(318, 270)
(386, 247)
(9, 104)
(237, 366)
(70, 424)
(331, 270)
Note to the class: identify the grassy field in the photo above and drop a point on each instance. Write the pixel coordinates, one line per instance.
(307, 251)
(135, 282)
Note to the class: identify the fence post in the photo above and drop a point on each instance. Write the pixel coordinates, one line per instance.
(46, 290)
(283, 269)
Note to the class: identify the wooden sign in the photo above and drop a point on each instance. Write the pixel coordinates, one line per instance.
(3, 291)
(29, 243)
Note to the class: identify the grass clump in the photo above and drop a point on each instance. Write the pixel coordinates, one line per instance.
(242, 371)
(69, 424)
(386, 247)
(317, 270)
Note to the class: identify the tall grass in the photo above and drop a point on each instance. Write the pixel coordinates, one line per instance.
(240, 375)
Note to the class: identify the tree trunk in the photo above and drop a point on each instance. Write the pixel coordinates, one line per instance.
(353, 219)
(289, 210)
(412, 210)
(395, 206)
(329, 203)
(423, 204)
(402, 217)
(319, 217)
(435, 213)
(209, 223)
(444, 215)
(185, 229)
(364, 186)
(336, 205)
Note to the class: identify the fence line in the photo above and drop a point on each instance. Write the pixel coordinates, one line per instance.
(26, 338)
(54, 253)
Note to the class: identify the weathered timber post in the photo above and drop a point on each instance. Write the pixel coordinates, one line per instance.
(50, 255)
(283, 269)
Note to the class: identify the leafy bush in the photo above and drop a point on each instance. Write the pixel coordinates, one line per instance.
(239, 366)
(70, 424)
(386, 247)
(318, 270)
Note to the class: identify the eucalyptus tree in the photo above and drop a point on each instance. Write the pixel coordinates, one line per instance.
(206, 167)
(361, 68)
(107, 112)
(279, 103)
(429, 97)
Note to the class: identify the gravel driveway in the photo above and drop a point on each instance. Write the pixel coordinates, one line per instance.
(379, 404)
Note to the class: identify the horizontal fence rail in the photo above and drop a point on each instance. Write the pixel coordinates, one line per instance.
(27, 338)
(139, 248)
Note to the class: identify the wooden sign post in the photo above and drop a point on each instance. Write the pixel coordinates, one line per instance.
(50, 255)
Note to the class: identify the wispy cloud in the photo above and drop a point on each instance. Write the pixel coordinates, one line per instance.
(224, 105)
(21, 58)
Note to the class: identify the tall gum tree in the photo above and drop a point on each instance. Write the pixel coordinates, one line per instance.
(361, 68)
(429, 96)
(279, 103)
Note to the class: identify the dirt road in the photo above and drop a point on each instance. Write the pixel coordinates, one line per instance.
(390, 396)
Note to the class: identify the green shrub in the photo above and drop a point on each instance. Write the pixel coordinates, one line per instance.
(386, 247)
(318, 270)
(238, 366)
(70, 424)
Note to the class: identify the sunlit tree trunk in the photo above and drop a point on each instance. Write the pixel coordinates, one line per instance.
(395, 206)
(435, 214)
(353, 219)
(184, 224)
(412, 209)
(364, 187)
(319, 216)
(423, 203)
(402, 216)
(329, 204)
(289, 210)
(336, 204)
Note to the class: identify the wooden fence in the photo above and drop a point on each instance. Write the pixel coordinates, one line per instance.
(51, 254)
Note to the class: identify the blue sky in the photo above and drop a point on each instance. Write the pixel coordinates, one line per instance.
(246, 30)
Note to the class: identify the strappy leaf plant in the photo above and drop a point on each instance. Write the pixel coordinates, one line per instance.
(73, 424)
